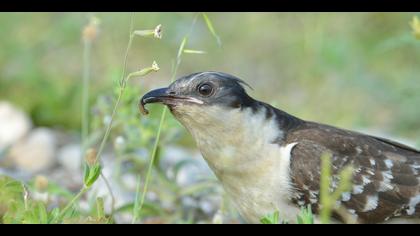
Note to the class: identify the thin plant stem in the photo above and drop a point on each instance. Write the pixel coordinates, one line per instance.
(87, 45)
(109, 127)
(108, 186)
(149, 170)
(136, 203)
(72, 201)
(123, 83)
(162, 119)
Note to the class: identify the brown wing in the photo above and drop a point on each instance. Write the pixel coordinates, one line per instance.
(386, 177)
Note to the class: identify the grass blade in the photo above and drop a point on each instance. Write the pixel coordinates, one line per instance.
(211, 29)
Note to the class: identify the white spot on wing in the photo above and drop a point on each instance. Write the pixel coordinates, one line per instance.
(366, 180)
(413, 203)
(313, 194)
(357, 189)
(385, 186)
(370, 172)
(313, 200)
(388, 163)
(358, 170)
(371, 203)
(372, 162)
(387, 175)
(345, 196)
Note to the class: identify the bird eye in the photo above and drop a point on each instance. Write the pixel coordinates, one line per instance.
(205, 89)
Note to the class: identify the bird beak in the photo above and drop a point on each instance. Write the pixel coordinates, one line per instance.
(164, 96)
(157, 95)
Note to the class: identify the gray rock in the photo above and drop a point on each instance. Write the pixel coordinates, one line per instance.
(14, 124)
(36, 152)
(193, 170)
(69, 156)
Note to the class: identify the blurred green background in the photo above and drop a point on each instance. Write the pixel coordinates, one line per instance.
(346, 69)
(353, 70)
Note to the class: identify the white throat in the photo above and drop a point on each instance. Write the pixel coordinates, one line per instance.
(239, 147)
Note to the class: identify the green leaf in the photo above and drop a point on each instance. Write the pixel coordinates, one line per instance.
(211, 29)
(86, 173)
(271, 218)
(11, 199)
(190, 51)
(305, 216)
(53, 216)
(144, 33)
(93, 175)
(144, 72)
(42, 213)
(328, 198)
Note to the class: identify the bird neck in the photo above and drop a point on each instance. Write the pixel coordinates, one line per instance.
(284, 121)
(233, 139)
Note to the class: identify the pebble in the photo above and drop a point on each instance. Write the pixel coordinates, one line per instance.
(36, 152)
(14, 124)
(69, 156)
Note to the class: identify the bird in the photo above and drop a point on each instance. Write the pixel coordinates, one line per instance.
(268, 160)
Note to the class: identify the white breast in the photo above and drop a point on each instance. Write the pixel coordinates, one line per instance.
(263, 186)
(254, 171)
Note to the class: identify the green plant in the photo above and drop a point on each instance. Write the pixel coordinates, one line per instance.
(271, 218)
(92, 165)
(181, 51)
(328, 198)
(305, 216)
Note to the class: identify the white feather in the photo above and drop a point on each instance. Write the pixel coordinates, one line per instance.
(371, 203)
(412, 204)
(388, 163)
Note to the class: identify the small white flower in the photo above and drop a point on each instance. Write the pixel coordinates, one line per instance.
(157, 33)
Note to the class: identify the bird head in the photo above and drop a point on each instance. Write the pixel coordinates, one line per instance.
(201, 99)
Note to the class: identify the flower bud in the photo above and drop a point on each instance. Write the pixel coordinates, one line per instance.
(90, 32)
(41, 183)
(90, 156)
